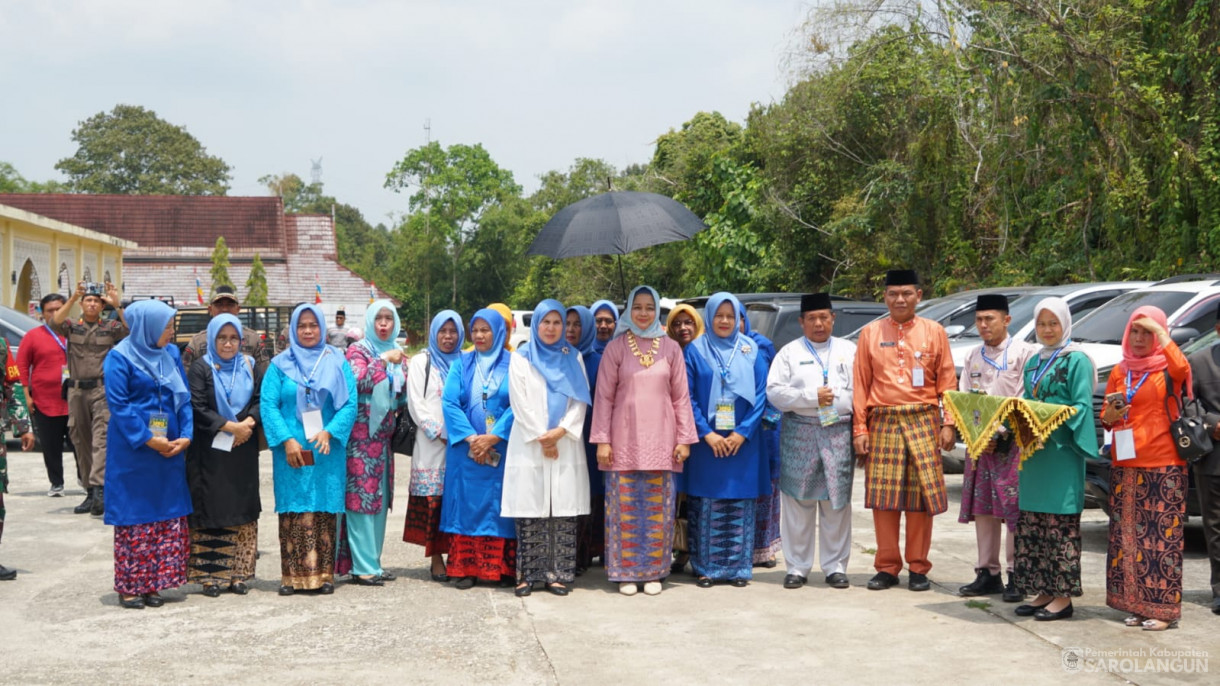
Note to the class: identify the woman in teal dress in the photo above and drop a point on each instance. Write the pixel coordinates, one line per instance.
(309, 407)
(1047, 563)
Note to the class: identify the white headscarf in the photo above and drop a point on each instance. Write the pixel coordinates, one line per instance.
(1059, 308)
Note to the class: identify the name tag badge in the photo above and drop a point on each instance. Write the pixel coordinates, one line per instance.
(158, 424)
(888, 344)
(223, 441)
(490, 421)
(1124, 444)
(726, 415)
(802, 363)
(917, 377)
(64, 374)
(312, 421)
(397, 384)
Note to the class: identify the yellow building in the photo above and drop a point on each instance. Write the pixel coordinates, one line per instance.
(40, 256)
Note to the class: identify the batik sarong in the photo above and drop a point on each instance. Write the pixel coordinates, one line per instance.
(489, 558)
(591, 532)
(640, 525)
(1048, 554)
(1144, 560)
(546, 549)
(990, 486)
(816, 462)
(307, 549)
(150, 557)
(721, 537)
(903, 470)
(223, 555)
(766, 525)
(423, 525)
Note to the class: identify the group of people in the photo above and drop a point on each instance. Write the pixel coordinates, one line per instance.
(644, 442)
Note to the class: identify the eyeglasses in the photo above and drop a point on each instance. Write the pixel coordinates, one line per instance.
(227, 340)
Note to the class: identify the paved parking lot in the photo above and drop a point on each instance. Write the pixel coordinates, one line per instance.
(60, 623)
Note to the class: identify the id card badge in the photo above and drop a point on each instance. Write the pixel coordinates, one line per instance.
(1124, 444)
(223, 441)
(311, 419)
(490, 421)
(397, 384)
(158, 424)
(726, 415)
(917, 377)
(64, 374)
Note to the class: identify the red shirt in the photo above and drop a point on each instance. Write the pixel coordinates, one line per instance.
(40, 361)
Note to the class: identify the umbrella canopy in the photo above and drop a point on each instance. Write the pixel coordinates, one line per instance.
(615, 223)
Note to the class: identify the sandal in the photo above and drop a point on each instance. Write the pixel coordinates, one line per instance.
(1158, 625)
(1134, 620)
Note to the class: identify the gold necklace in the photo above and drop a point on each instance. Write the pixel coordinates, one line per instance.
(647, 359)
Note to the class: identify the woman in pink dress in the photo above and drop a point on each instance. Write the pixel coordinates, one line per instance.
(643, 427)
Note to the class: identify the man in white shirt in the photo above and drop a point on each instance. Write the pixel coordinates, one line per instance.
(811, 383)
(989, 486)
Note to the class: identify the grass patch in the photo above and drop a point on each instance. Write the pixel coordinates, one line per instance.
(978, 604)
(869, 551)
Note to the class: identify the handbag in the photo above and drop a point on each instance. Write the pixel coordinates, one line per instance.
(1191, 435)
(405, 428)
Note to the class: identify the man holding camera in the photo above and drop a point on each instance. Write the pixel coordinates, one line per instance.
(89, 340)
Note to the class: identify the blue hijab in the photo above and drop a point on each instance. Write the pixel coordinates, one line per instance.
(490, 367)
(588, 331)
(440, 360)
(731, 357)
(654, 330)
(317, 371)
(233, 379)
(558, 364)
(599, 347)
(146, 320)
(381, 400)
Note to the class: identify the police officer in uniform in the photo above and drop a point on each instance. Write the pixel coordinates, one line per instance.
(225, 302)
(90, 338)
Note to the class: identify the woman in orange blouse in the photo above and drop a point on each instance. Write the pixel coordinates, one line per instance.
(1147, 478)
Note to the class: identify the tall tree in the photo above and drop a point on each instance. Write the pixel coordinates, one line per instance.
(453, 187)
(256, 283)
(130, 150)
(298, 196)
(220, 265)
(11, 181)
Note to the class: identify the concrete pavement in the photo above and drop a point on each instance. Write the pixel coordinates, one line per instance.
(60, 622)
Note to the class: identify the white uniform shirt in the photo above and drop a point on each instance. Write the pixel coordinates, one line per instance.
(796, 376)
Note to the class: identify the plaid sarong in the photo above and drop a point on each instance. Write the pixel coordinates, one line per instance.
(903, 470)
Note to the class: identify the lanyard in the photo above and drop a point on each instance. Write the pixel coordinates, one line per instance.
(1132, 390)
(484, 380)
(1041, 371)
(988, 360)
(309, 379)
(54, 336)
(232, 382)
(724, 368)
(816, 356)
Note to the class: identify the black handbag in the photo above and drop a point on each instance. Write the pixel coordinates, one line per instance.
(1191, 436)
(405, 428)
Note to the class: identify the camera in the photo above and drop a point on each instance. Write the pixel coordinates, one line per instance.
(94, 288)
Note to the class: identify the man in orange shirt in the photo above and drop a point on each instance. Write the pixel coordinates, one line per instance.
(903, 365)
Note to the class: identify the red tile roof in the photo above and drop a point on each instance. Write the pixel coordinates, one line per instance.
(171, 221)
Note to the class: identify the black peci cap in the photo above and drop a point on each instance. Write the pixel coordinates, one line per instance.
(901, 277)
(991, 301)
(815, 301)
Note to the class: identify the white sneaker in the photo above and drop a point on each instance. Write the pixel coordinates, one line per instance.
(56, 492)
(652, 588)
(628, 588)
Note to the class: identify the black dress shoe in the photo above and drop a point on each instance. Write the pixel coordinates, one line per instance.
(136, 603)
(558, 589)
(327, 588)
(523, 590)
(1029, 610)
(704, 582)
(985, 583)
(838, 580)
(388, 576)
(465, 582)
(86, 505)
(740, 583)
(7, 574)
(769, 564)
(211, 590)
(154, 600)
(882, 581)
(794, 581)
(287, 590)
(1045, 615)
(239, 587)
(440, 578)
(367, 580)
(918, 582)
(1012, 594)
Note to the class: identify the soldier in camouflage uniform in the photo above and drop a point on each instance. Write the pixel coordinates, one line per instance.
(225, 302)
(12, 405)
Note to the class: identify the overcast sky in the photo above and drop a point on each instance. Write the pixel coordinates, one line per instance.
(268, 86)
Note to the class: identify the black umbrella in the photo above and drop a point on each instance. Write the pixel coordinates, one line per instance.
(615, 223)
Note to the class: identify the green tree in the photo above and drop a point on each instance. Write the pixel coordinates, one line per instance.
(11, 181)
(220, 265)
(298, 197)
(452, 187)
(129, 150)
(256, 283)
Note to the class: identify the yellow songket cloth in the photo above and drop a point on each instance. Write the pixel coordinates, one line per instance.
(979, 416)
